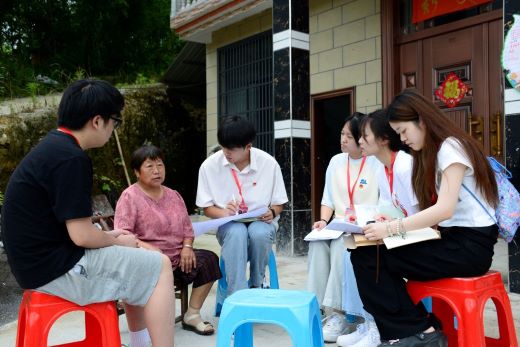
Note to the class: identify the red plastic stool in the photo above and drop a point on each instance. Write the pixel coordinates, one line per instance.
(39, 311)
(465, 298)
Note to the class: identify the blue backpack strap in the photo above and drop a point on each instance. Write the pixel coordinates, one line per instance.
(499, 168)
(480, 203)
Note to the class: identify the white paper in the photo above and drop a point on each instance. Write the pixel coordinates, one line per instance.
(412, 236)
(333, 230)
(365, 213)
(323, 234)
(200, 228)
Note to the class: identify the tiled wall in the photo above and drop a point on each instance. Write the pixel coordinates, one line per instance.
(236, 32)
(345, 49)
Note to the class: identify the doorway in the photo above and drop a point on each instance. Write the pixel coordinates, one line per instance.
(328, 113)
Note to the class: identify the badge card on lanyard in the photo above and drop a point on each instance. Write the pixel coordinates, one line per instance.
(350, 213)
(242, 207)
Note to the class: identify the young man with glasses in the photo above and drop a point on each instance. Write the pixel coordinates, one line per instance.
(52, 245)
(237, 179)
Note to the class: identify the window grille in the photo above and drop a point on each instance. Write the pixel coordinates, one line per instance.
(245, 86)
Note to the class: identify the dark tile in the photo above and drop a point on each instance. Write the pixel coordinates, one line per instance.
(280, 15)
(289, 238)
(301, 173)
(302, 226)
(284, 233)
(300, 16)
(281, 84)
(282, 154)
(300, 84)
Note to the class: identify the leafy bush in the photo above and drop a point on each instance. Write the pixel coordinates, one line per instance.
(122, 41)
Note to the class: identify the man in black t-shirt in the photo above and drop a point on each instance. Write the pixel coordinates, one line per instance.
(52, 245)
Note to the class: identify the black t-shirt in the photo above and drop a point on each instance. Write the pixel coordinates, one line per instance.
(51, 185)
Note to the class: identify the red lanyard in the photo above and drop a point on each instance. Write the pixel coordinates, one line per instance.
(349, 189)
(68, 132)
(237, 182)
(390, 173)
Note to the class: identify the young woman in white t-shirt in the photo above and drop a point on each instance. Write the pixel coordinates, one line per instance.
(445, 157)
(395, 181)
(350, 179)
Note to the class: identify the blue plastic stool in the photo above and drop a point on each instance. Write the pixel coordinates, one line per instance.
(297, 312)
(222, 283)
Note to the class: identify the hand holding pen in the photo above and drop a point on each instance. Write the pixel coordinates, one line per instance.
(232, 206)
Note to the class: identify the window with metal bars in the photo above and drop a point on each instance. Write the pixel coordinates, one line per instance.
(245, 85)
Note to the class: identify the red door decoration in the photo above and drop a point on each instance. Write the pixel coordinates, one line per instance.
(426, 9)
(452, 90)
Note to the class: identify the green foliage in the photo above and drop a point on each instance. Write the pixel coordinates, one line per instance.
(149, 116)
(117, 40)
(107, 184)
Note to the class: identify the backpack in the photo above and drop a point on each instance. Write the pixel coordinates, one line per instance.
(507, 212)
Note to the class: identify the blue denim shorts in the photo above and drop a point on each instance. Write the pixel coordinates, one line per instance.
(110, 273)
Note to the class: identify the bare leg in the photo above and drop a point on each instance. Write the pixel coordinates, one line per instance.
(158, 313)
(199, 294)
(192, 319)
(135, 317)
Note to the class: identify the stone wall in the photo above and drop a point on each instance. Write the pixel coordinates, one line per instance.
(151, 115)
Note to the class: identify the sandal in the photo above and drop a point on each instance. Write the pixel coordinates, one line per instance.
(201, 328)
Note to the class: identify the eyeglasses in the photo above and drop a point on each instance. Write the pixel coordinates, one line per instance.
(117, 120)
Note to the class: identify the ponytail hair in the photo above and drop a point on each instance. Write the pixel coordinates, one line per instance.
(354, 122)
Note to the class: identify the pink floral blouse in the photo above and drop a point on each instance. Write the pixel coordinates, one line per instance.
(164, 223)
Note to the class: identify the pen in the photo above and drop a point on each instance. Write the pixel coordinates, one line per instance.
(235, 202)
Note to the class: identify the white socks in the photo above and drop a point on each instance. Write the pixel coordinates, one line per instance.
(140, 338)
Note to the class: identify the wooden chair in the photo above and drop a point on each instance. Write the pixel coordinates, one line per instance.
(104, 218)
(181, 293)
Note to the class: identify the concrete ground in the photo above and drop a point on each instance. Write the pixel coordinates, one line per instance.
(292, 272)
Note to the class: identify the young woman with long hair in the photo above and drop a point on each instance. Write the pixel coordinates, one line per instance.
(445, 157)
(381, 141)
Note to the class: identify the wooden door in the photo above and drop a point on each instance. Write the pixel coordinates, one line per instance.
(473, 53)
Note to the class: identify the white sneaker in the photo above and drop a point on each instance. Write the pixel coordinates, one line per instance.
(350, 339)
(366, 335)
(334, 326)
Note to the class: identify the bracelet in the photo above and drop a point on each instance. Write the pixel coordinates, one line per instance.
(326, 221)
(188, 246)
(401, 228)
(388, 229)
(273, 212)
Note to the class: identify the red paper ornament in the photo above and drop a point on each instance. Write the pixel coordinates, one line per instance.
(452, 90)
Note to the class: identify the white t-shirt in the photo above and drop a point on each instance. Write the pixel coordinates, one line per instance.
(261, 182)
(468, 212)
(335, 193)
(403, 197)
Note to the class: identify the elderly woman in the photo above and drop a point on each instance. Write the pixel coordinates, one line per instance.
(158, 217)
